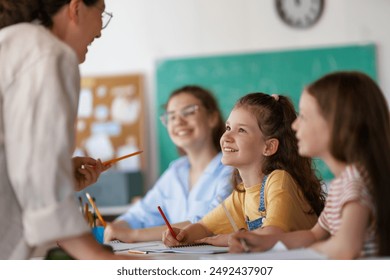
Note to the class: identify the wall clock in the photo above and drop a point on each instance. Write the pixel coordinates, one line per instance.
(300, 13)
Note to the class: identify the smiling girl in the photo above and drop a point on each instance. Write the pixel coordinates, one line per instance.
(276, 190)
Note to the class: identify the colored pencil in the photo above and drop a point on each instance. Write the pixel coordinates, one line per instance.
(112, 161)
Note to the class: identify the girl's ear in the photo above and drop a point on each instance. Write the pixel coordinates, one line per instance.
(213, 119)
(271, 147)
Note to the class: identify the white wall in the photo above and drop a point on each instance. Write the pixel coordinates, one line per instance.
(143, 31)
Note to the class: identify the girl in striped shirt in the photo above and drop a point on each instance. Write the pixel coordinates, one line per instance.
(344, 120)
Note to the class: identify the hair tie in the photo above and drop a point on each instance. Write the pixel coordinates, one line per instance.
(275, 96)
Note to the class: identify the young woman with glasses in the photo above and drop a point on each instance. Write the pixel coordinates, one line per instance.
(41, 44)
(189, 188)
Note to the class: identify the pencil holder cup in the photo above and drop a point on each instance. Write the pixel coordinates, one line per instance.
(98, 233)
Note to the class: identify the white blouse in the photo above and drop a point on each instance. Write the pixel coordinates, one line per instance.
(39, 90)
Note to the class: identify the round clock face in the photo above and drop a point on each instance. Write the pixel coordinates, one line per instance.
(300, 13)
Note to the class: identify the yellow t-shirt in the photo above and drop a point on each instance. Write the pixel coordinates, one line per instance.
(285, 205)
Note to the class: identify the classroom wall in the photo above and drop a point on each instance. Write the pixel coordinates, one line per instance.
(144, 31)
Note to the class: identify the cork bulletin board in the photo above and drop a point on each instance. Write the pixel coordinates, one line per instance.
(110, 119)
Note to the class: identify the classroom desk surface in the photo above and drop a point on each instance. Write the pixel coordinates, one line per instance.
(278, 252)
(303, 254)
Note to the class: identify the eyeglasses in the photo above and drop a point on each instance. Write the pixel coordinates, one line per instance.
(106, 17)
(184, 113)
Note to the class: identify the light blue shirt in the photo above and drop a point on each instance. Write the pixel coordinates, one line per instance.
(171, 192)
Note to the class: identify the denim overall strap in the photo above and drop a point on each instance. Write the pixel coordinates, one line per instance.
(262, 190)
(252, 225)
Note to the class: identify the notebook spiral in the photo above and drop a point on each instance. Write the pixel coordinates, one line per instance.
(190, 245)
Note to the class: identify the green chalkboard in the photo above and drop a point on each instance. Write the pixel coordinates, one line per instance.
(232, 76)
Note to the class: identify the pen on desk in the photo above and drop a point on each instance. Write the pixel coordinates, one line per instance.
(136, 252)
(96, 210)
(166, 222)
(112, 161)
(235, 228)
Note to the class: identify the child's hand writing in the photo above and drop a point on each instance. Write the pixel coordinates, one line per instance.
(255, 242)
(169, 240)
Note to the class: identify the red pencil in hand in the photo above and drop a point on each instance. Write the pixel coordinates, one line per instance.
(166, 222)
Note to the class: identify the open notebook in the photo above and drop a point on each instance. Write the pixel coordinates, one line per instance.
(159, 247)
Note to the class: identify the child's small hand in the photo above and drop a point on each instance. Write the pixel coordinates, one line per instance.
(235, 242)
(254, 242)
(170, 241)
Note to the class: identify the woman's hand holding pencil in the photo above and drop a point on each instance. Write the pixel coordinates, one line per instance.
(87, 170)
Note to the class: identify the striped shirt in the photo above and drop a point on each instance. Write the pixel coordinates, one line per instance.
(349, 186)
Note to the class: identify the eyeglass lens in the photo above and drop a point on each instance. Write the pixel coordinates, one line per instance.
(106, 17)
(184, 113)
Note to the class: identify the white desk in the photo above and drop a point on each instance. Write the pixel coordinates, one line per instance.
(111, 212)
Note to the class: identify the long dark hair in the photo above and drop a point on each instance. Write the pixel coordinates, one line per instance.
(17, 11)
(210, 104)
(357, 112)
(274, 117)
